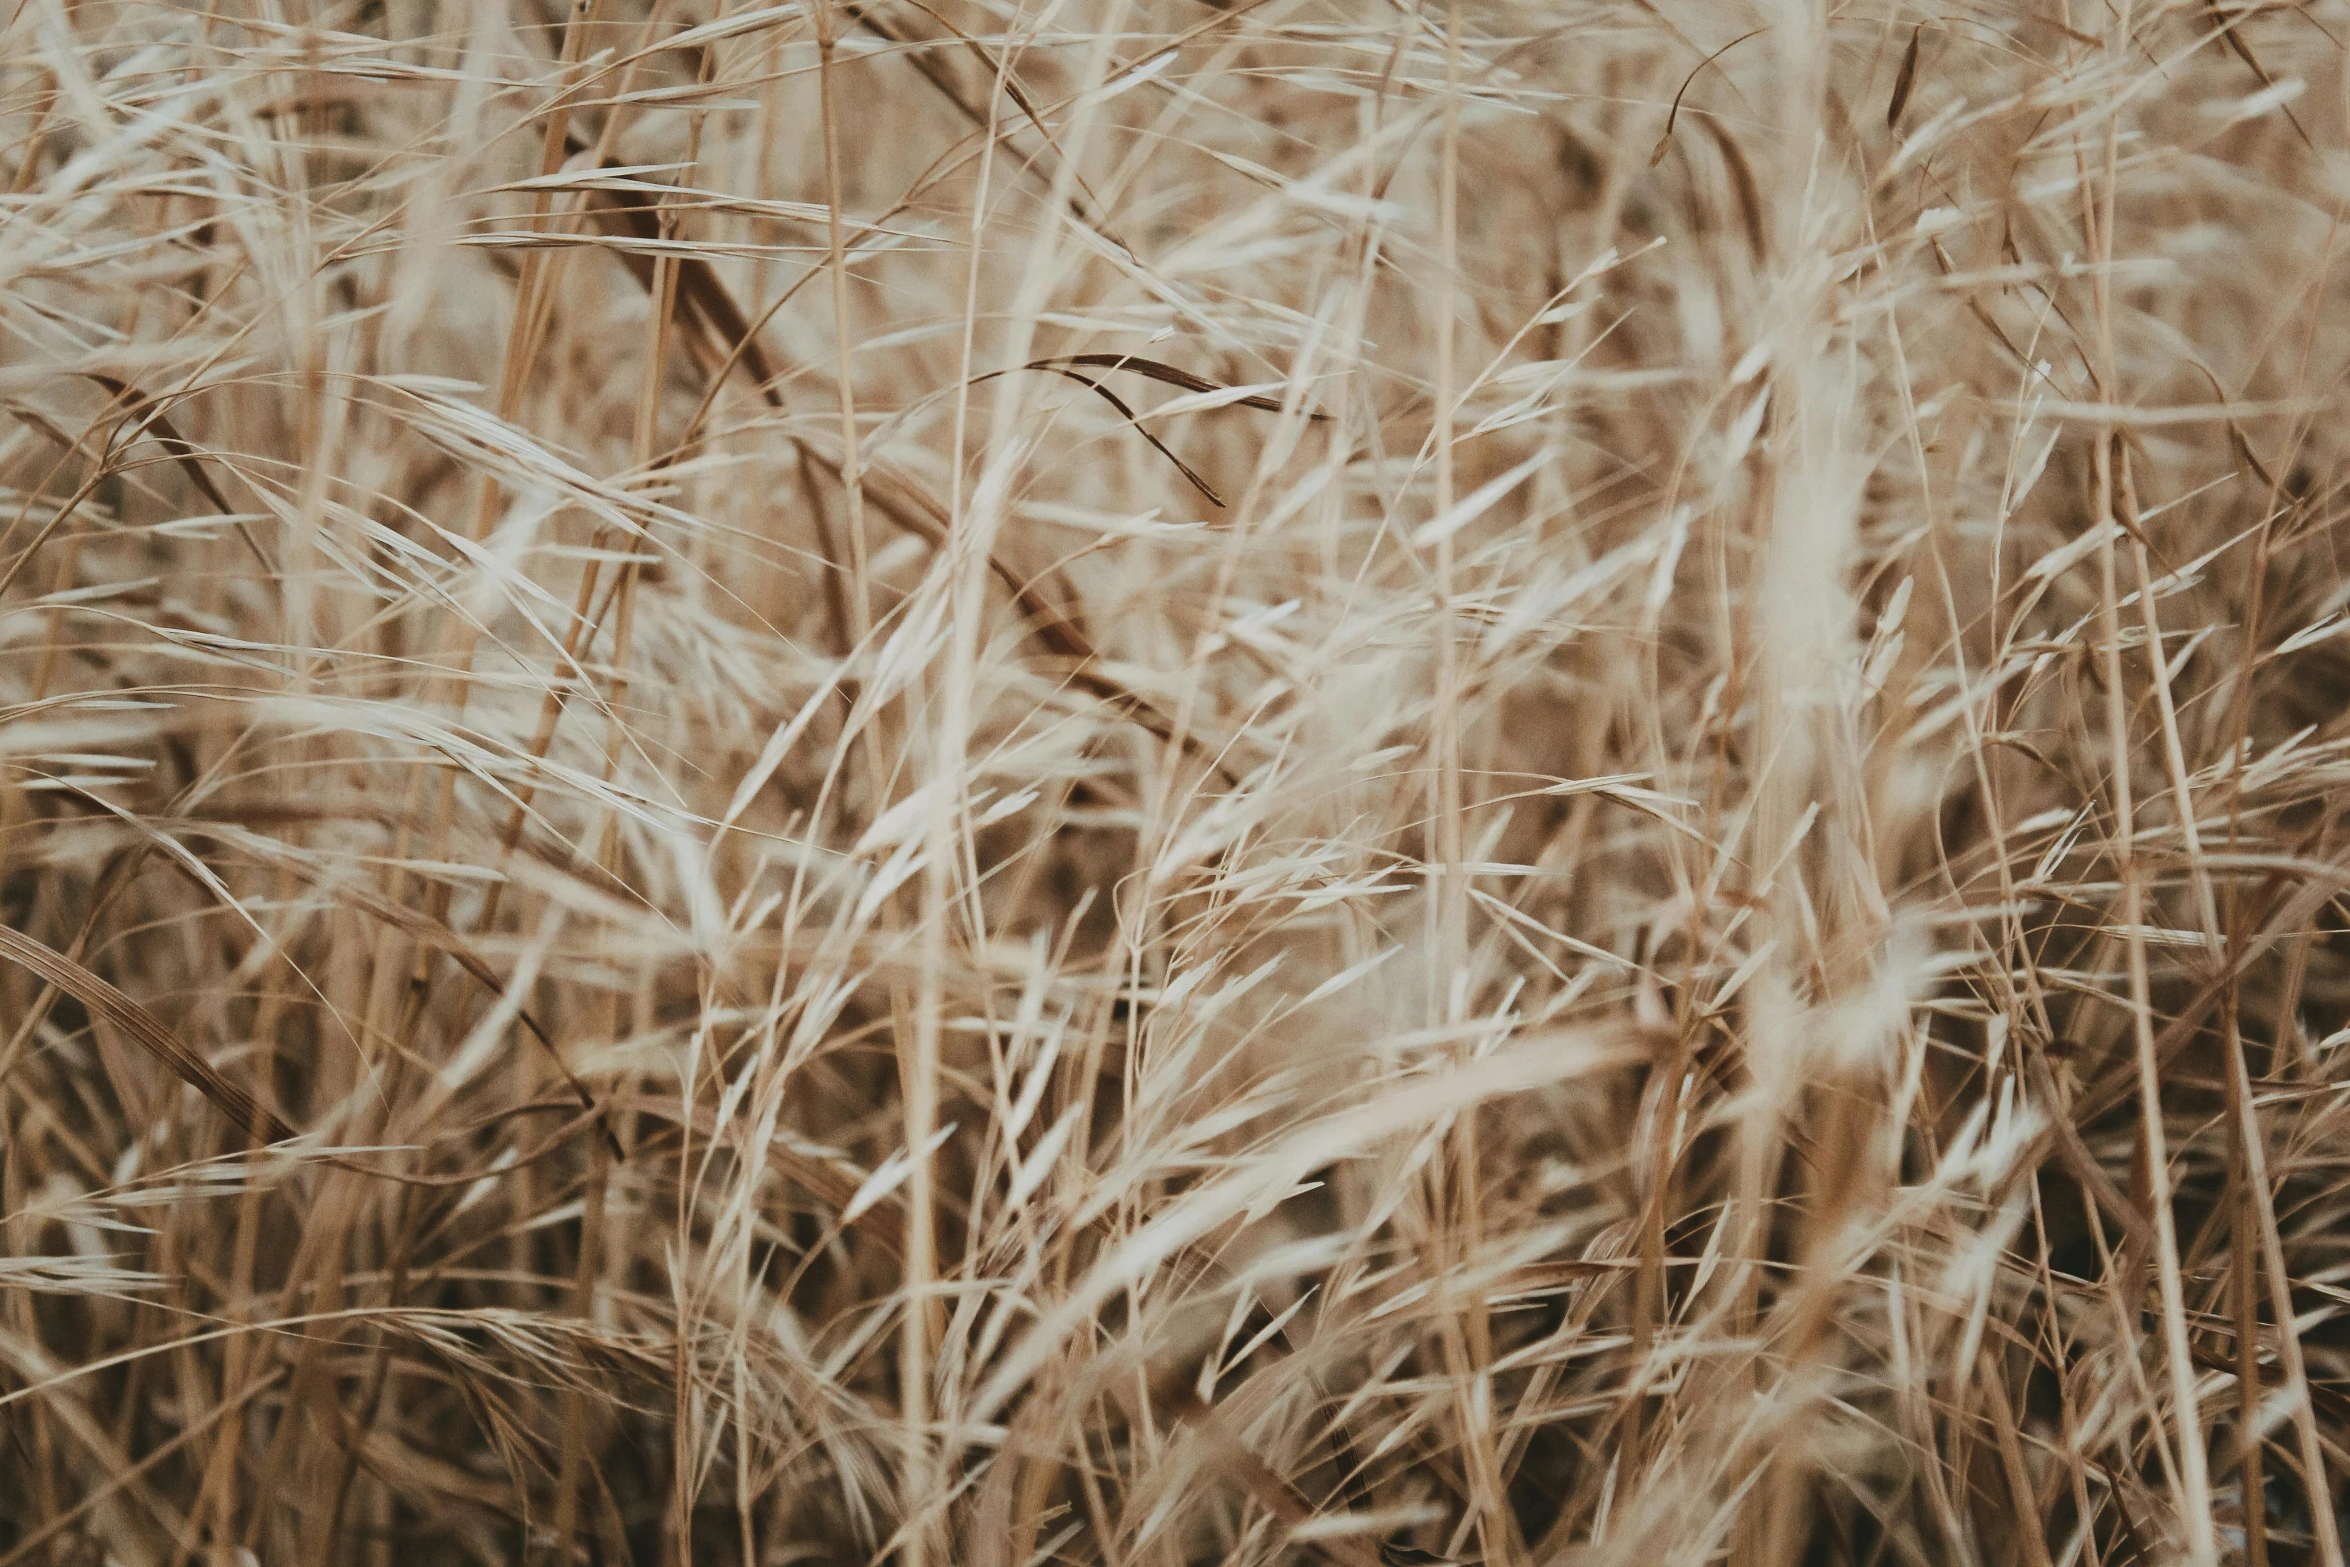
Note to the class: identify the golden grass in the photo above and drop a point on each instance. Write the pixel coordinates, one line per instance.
(1139, 782)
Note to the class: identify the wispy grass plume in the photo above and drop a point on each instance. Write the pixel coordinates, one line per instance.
(999, 783)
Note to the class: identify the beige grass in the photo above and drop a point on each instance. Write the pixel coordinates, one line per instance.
(1619, 840)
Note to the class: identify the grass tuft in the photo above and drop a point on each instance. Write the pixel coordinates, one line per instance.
(987, 784)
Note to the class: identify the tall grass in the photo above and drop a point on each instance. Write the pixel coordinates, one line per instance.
(1001, 782)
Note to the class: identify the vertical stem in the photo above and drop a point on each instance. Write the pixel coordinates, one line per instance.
(583, 1295)
(2240, 1201)
(1458, 1213)
(964, 583)
(852, 477)
(2193, 1462)
(2193, 1466)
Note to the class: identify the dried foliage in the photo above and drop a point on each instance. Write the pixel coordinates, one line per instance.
(1127, 781)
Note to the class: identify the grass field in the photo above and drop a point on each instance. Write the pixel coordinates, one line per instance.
(986, 783)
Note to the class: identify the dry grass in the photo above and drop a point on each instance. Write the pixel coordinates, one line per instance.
(1620, 839)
